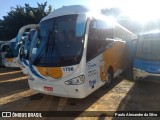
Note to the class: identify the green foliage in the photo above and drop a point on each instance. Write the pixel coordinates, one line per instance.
(21, 16)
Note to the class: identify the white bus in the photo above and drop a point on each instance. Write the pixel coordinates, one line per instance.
(2, 53)
(12, 52)
(24, 52)
(74, 52)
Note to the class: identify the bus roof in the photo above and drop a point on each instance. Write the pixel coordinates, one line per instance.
(66, 10)
(150, 32)
(7, 42)
(13, 40)
(81, 9)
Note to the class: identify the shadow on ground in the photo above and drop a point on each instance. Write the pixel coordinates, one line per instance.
(40, 102)
(143, 96)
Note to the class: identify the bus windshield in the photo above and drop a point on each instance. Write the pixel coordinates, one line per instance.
(59, 41)
(27, 43)
(149, 47)
(11, 51)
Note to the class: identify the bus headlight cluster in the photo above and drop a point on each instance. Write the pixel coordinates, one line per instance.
(76, 81)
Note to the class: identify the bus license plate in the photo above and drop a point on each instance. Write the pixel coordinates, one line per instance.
(46, 88)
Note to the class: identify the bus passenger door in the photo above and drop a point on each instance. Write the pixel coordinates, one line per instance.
(92, 59)
(99, 30)
(92, 74)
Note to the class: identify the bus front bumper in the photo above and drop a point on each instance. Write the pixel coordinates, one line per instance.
(11, 64)
(140, 74)
(61, 90)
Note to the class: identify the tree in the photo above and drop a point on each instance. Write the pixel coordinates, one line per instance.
(21, 16)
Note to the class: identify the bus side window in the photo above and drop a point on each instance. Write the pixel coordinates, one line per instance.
(98, 32)
(92, 46)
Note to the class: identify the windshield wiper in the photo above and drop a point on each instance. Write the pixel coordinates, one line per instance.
(49, 46)
(41, 52)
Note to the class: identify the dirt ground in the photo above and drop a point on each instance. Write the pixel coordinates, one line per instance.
(124, 94)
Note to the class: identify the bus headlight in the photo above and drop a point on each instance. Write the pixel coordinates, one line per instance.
(76, 81)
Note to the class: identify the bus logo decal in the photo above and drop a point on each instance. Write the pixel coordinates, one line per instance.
(90, 66)
(92, 72)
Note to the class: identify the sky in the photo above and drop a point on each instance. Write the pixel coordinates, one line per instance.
(140, 10)
(5, 5)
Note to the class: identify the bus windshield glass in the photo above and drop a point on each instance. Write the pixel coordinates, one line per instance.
(149, 47)
(11, 51)
(59, 41)
(27, 43)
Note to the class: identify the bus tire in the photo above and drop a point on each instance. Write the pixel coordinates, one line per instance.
(109, 77)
